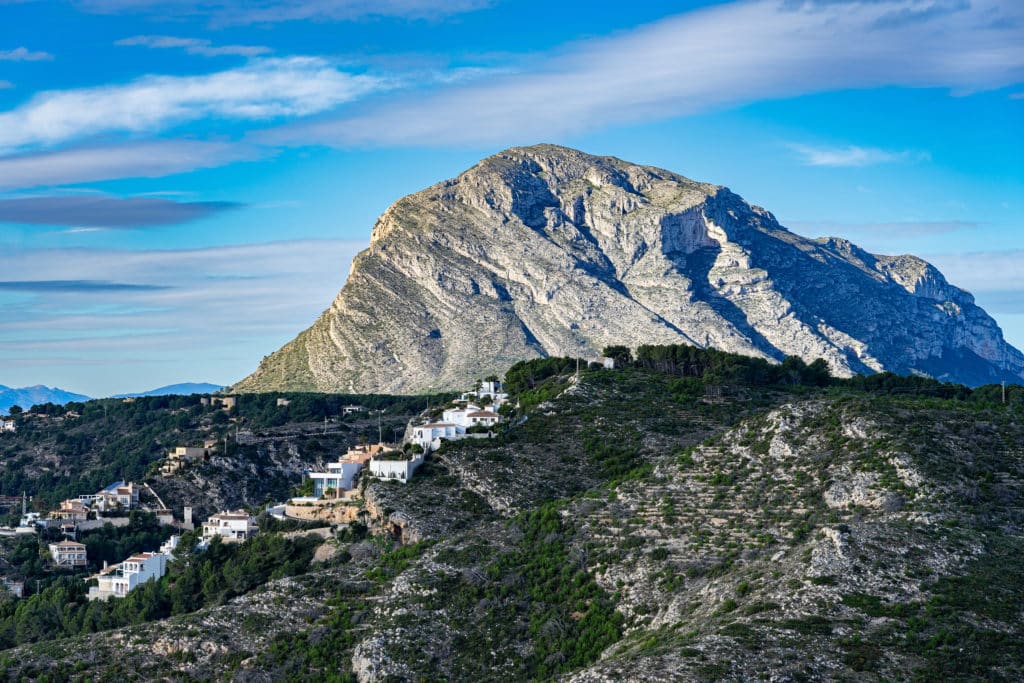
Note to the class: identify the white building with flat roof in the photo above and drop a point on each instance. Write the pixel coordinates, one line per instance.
(120, 579)
(232, 527)
(340, 476)
(426, 435)
(395, 467)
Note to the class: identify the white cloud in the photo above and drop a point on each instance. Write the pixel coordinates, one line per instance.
(194, 46)
(23, 54)
(852, 156)
(720, 56)
(894, 229)
(156, 308)
(983, 271)
(262, 90)
(229, 12)
(130, 160)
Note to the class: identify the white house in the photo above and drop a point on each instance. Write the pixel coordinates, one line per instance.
(68, 554)
(393, 468)
(117, 495)
(8, 425)
(491, 389)
(169, 546)
(120, 579)
(340, 476)
(232, 527)
(470, 416)
(426, 435)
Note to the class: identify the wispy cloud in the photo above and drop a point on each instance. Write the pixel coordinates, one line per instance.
(983, 271)
(852, 155)
(23, 54)
(262, 90)
(4, 85)
(237, 12)
(87, 286)
(194, 46)
(237, 303)
(725, 55)
(104, 211)
(129, 160)
(893, 229)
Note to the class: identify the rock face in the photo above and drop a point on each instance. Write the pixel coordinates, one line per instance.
(549, 251)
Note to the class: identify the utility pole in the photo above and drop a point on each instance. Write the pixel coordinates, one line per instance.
(1004, 392)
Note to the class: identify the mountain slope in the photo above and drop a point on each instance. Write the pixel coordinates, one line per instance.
(549, 251)
(27, 397)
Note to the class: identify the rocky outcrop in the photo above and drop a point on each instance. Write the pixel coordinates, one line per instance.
(549, 251)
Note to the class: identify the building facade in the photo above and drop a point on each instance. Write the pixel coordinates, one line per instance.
(120, 579)
(68, 554)
(231, 527)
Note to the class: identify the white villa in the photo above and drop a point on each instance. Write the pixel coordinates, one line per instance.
(429, 436)
(491, 389)
(120, 579)
(117, 495)
(395, 467)
(340, 476)
(232, 527)
(170, 545)
(471, 416)
(8, 425)
(68, 554)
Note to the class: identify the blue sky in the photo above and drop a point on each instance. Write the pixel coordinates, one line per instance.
(183, 185)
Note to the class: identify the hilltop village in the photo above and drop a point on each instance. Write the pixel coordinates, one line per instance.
(333, 495)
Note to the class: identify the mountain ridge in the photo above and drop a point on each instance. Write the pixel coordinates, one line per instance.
(546, 250)
(26, 397)
(180, 389)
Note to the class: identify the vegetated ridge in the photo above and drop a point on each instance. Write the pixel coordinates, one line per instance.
(690, 516)
(547, 251)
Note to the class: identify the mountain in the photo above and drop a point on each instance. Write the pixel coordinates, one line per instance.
(27, 397)
(544, 250)
(183, 389)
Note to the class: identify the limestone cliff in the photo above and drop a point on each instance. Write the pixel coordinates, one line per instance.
(549, 251)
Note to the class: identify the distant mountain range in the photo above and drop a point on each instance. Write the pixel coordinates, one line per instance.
(26, 397)
(183, 389)
(547, 251)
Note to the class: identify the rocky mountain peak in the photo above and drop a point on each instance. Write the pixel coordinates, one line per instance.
(546, 250)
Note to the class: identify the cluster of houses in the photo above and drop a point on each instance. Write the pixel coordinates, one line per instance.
(116, 581)
(474, 414)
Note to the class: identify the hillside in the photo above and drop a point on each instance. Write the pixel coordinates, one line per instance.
(56, 454)
(547, 251)
(629, 527)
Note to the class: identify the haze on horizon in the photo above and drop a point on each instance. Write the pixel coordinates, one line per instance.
(183, 185)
